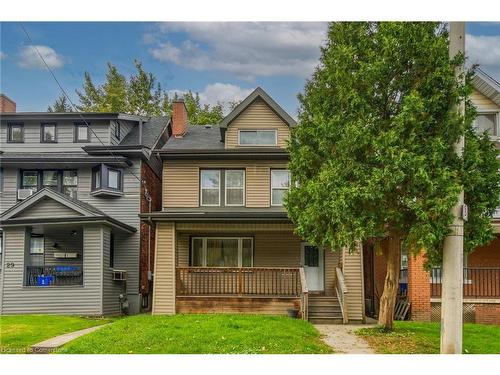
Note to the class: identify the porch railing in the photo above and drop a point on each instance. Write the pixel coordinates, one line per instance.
(304, 298)
(341, 290)
(199, 281)
(60, 275)
(478, 282)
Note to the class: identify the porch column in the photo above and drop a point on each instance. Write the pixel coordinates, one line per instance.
(419, 288)
(164, 275)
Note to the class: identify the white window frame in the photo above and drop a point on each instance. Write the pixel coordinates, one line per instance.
(496, 134)
(43, 244)
(235, 188)
(271, 184)
(204, 249)
(201, 188)
(275, 131)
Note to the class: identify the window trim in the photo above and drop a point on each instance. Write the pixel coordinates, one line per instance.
(103, 170)
(271, 184)
(39, 183)
(201, 188)
(117, 130)
(43, 125)
(497, 121)
(243, 203)
(204, 250)
(10, 125)
(275, 131)
(119, 179)
(76, 126)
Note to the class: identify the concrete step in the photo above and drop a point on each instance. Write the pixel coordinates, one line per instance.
(325, 320)
(325, 310)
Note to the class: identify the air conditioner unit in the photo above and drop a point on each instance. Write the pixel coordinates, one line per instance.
(24, 193)
(71, 255)
(119, 275)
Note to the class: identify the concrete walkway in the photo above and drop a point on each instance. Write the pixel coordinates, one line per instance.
(342, 339)
(51, 345)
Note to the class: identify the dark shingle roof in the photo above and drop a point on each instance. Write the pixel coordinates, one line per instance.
(151, 130)
(198, 137)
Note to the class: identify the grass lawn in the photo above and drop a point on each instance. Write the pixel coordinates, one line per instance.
(201, 334)
(424, 338)
(19, 332)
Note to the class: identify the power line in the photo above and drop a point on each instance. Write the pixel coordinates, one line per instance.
(71, 102)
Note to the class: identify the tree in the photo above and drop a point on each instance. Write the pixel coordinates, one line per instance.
(145, 96)
(202, 114)
(374, 156)
(60, 105)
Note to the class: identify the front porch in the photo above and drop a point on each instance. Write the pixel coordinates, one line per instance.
(252, 267)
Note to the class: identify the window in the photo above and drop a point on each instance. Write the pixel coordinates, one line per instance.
(112, 250)
(210, 187)
(70, 183)
(280, 184)
(486, 122)
(221, 252)
(117, 130)
(29, 180)
(36, 244)
(81, 133)
(257, 138)
(50, 180)
(104, 177)
(48, 133)
(1, 179)
(15, 133)
(235, 187)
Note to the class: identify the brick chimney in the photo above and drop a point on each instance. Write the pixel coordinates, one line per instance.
(7, 104)
(179, 118)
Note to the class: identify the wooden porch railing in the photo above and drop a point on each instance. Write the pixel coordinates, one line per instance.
(304, 297)
(235, 281)
(341, 292)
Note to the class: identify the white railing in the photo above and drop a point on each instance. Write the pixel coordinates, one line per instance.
(341, 292)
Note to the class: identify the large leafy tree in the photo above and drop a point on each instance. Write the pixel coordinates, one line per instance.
(374, 155)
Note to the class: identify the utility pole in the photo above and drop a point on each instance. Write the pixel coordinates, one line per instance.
(453, 250)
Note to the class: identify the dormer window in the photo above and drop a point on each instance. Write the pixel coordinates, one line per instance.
(81, 133)
(48, 133)
(257, 137)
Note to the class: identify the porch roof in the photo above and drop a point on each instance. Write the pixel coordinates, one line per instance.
(200, 214)
(63, 209)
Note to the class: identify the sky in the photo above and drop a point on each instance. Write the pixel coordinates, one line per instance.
(222, 61)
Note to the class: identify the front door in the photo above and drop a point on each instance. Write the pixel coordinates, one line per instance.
(314, 267)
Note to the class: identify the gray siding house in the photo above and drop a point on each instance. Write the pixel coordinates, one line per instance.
(70, 195)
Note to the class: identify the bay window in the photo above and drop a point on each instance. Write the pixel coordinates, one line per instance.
(280, 184)
(107, 180)
(221, 252)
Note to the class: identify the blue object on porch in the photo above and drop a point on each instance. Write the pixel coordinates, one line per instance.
(67, 268)
(44, 280)
(403, 287)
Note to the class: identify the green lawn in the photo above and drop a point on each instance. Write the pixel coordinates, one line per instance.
(424, 338)
(210, 333)
(19, 332)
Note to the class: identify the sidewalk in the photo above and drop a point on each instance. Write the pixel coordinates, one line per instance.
(342, 339)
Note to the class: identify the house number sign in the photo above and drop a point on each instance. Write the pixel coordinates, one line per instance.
(9, 265)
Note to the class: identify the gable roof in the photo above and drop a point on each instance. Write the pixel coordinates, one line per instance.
(487, 85)
(256, 94)
(83, 211)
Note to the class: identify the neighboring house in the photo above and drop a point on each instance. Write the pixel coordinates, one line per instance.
(224, 241)
(70, 198)
(481, 267)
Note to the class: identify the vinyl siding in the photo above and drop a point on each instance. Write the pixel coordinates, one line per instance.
(181, 181)
(8, 196)
(111, 289)
(47, 208)
(84, 300)
(353, 275)
(257, 115)
(65, 244)
(164, 280)
(332, 259)
(65, 137)
(483, 103)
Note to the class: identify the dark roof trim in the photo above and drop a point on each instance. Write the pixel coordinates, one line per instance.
(80, 220)
(15, 160)
(76, 116)
(262, 153)
(258, 93)
(216, 216)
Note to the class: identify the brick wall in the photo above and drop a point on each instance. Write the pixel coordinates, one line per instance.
(153, 184)
(488, 313)
(419, 290)
(486, 256)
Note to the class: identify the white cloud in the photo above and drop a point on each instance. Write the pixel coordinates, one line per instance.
(484, 50)
(216, 93)
(29, 57)
(244, 49)
(2, 55)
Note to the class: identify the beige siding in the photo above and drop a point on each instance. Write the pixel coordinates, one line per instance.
(164, 280)
(233, 227)
(331, 263)
(353, 275)
(276, 249)
(257, 115)
(483, 103)
(181, 181)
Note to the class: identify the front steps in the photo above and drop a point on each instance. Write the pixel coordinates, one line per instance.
(324, 310)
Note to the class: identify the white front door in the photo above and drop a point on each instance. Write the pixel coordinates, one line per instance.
(314, 266)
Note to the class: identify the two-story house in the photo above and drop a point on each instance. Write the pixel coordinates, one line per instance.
(224, 242)
(72, 186)
(481, 290)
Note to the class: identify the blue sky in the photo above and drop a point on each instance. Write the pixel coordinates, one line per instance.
(221, 61)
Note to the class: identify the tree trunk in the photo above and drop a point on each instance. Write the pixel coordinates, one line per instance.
(388, 299)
